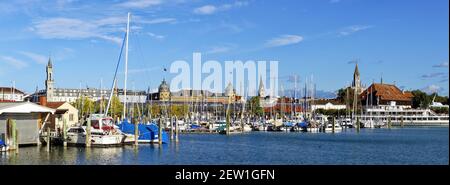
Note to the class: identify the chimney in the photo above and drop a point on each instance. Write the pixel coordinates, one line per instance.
(43, 100)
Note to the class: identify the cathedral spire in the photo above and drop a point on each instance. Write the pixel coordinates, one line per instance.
(49, 64)
(261, 91)
(356, 77)
(356, 69)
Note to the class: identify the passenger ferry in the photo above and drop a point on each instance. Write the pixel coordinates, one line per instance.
(401, 116)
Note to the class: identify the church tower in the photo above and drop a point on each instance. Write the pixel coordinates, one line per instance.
(49, 82)
(261, 91)
(356, 84)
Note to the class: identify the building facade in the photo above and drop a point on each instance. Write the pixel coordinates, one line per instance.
(327, 104)
(64, 112)
(30, 119)
(164, 95)
(11, 94)
(54, 94)
(379, 94)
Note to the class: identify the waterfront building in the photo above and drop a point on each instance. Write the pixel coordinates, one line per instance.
(199, 101)
(283, 105)
(11, 94)
(30, 119)
(54, 94)
(64, 111)
(327, 104)
(379, 94)
(193, 96)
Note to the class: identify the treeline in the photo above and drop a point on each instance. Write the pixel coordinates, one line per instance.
(424, 100)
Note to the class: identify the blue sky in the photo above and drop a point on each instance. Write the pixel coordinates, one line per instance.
(404, 41)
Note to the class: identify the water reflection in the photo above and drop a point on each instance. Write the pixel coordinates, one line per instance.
(380, 146)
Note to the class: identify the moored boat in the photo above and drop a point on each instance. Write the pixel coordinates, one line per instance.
(148, 133)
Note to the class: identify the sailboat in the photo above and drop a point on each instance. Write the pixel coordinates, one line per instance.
(147, 133)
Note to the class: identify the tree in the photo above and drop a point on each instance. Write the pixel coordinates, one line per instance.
(85, 105)
(342, 95)
(179, 110)
(156, 111)
(420, 99)
(116, 107)
(254, 106)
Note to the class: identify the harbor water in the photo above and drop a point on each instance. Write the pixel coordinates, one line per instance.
(402, 146)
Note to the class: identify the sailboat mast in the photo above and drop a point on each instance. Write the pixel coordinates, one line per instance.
(126, 68)
(101, 95)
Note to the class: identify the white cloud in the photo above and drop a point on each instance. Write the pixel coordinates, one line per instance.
(13, 62)
(432, 89)
(155, 36)
(67, 28)
(63, 3)
(211, 9)
(157, 21)
(433, 75)
(140, 3)
(353, 29)
(104, 29)
(441, 65)
(205, 10)
(40, 59)
(284, 40)
(218, 49)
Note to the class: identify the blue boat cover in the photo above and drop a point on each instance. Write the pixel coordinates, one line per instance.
(303, 124)
(2, 143)
(195, 126)
(146, 132)
(288, 124)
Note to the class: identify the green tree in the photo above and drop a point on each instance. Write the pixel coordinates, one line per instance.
(85, 105)
(420, 99)
(342, 95)
(179, 110)
(116, 107)
(155, 110)
(347, 99)
(254, 107)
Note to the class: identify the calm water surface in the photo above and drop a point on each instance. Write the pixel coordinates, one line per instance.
(370, 146)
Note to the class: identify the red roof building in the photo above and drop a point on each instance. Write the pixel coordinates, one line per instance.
(385, 94)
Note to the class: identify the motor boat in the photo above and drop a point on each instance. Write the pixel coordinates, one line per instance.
(329, 128)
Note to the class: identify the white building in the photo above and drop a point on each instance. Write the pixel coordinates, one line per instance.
(30, 119)
(54, 94)
(327, 105)
(64, 112)
(11, 94)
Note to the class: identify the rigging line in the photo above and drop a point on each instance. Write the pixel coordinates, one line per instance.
(139, 50)
(115, 75)
(142, 60)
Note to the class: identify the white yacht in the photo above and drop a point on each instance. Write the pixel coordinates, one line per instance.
(77, 136)
(329, 128)
(103, 132)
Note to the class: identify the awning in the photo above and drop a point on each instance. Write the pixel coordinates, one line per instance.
(24, 107)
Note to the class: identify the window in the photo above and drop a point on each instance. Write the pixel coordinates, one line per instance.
(70, 117)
